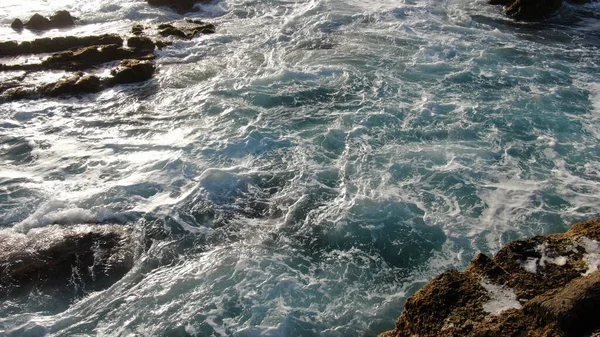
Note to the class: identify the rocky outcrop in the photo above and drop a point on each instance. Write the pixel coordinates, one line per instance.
(56, 44)
(60, 19)
(532, 10)
(542, 286)
(79, 54)
(46, 259)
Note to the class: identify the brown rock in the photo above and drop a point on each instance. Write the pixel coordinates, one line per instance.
(77, 84)
(137, 30)
(545, 273)
(131, 71)
(140, 43)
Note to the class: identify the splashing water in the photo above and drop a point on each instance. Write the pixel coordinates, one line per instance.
(315, 162)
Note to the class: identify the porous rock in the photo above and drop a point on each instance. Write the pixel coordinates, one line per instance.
(556, 290)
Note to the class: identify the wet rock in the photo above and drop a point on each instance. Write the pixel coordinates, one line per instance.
(51, 45)
(137, 30)
(542, 286)
(61, 19)
(140, 43)
(180, 6)
(17, 25)
(132, 71)
(185, 29)
(38, 22)
(77, 84)
(88, 57)
(532, 10)
(88, 257)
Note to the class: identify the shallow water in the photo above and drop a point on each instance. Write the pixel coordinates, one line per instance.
(315, 162)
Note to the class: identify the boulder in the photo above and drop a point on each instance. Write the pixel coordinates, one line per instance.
(132, 71)
(17, 25)
(542, 286)
(78, 257)
(38, 22)
(61, 19)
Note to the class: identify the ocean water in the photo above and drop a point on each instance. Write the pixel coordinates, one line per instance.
(313, 162)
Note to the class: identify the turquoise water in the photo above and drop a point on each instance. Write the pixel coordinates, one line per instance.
(314, 162)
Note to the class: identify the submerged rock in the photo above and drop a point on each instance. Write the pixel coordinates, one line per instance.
(542, 286)
(52, 258)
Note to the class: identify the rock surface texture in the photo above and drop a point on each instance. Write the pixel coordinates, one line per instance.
(542, 286)
(88, 257)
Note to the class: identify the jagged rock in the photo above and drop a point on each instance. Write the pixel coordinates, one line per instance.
(38, 22)
(51, 45)
(140, 43)
(17, 25)
(59, 257)
(131, 71)
(61, 19)
(542, 286)
(77, 84)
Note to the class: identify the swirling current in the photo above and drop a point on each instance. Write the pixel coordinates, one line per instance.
(313, 162)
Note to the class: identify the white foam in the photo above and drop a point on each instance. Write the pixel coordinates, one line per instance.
(59, 212)
(531, 264)
(592, 255)
(501, 298)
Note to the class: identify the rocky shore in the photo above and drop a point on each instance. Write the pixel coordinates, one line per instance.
(80, 59)
(541, 286)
